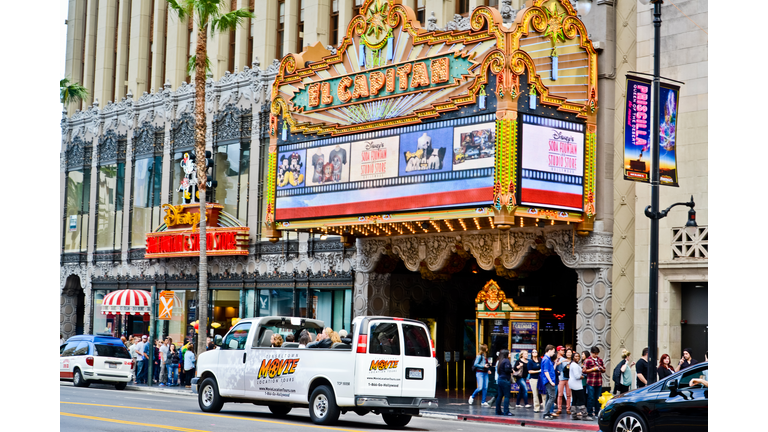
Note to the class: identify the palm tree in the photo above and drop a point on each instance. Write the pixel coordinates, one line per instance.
(207, 14)
(71, 92)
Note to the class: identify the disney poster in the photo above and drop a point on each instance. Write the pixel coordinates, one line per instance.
(426, 152)
(474, 146)
(329, 164)
(291, 169)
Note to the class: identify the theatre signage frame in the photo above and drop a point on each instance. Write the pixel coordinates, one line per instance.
(391, 84)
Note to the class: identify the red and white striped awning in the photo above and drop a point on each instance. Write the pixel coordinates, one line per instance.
(127, 302)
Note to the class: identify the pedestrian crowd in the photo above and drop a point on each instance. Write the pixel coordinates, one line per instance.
(563, 376)
(172, 366)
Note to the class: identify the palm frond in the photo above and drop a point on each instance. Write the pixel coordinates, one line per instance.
(206, 10)
(193, 61)
(230, 20)
(71, 92)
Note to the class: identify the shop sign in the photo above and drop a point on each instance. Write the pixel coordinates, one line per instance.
(264, 301)
(166, 305)
(219, 241)
(73, 222)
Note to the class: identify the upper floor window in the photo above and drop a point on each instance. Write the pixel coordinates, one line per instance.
(78, 205)
(109, 222)
(420, 12)
(147, 180)
(334, 23)
(231, 166)
(300, 40)
(462, 7)
(280, 29)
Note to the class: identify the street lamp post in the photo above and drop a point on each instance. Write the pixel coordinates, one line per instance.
(652, 211)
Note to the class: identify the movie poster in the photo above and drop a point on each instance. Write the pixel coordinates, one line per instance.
(374, 159)
(474, 146)
(637, 130)
(291, 169)
(426, 152)
(669, 97)
(328, 165)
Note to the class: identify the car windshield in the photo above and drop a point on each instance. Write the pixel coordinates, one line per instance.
(117, 351)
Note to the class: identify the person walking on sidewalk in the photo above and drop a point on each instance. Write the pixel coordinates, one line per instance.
(534, 370)
(172, 364)
(665, 369)
(189, 366)
(642, 369)
(482, 369)
(505, 383)
(520, 373)
(563, 391)
(548, 376)
(594, 368)
(625, 373)
(578, 405)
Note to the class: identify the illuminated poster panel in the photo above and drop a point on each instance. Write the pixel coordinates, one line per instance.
(552, 163)
(415, 167)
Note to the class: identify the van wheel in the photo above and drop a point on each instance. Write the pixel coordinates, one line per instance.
(120, 385)
(629, 422)
(322, 406)
(280, 410)
(396, 420)
(78, 379)
(209, 398)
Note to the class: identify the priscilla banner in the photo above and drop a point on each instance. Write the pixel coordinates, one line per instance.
(637, 132)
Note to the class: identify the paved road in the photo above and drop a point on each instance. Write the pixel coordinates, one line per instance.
(102, 408)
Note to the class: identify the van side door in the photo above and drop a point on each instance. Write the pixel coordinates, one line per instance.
(419, 367)
(379, 371)
(232, 360)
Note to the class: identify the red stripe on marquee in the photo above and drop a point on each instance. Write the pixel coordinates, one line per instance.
(389, 204)
(551, 197)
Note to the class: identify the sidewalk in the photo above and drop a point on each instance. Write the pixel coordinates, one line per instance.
(451, 406)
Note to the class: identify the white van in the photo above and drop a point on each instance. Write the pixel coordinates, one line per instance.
(387, 367)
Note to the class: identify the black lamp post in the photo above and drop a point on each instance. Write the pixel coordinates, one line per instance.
(652, 211)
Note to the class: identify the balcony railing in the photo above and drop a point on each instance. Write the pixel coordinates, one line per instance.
(693, 244)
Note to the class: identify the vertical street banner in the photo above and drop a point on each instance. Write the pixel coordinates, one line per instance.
(669, 98)
(637, 131)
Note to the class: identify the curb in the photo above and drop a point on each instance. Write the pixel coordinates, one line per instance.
(552, 424)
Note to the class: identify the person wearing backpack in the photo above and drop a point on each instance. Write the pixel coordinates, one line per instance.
(622, 373)
(482, 369)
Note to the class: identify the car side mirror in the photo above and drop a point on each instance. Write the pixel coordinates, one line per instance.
(672, 386)
(217, 340)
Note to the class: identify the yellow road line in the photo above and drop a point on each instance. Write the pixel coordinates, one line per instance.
(130, 422)
(213, 415)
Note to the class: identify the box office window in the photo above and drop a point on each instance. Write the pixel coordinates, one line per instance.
(231, 166)
(110, 193)
(147, 180)
(78, 206)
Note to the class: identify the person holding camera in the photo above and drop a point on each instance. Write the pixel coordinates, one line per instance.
(482, 369)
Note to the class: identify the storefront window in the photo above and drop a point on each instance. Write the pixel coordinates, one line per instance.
(248, 304)
(109, 225)
(226, 305)
(146, 198)
(102, 324)
(178, 174)
(276, 302)
(78, 206)
(333, 307)
(231, 164)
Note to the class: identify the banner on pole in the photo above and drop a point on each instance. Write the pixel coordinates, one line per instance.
(669, 98)
(637, 130)
(166, 305)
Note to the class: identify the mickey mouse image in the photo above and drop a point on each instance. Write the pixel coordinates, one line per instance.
(289, 170)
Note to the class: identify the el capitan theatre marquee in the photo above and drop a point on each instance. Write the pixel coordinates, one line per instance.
(406, 131)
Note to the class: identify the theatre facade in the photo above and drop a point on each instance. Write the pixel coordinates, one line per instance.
(448, 176)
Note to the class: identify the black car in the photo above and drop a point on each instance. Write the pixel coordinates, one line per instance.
(672, 404)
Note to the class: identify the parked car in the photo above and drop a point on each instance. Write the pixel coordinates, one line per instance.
(386, 367)
(672, 404)
(89, 358)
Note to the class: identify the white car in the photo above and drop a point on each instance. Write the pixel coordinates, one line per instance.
(388, 367)
(87, 358)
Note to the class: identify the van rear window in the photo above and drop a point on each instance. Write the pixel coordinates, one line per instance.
(416, 341)
(112, 351)
(385, 339)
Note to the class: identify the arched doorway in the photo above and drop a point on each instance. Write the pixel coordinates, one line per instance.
(72, 308)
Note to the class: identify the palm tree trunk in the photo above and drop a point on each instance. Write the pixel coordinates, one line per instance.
(200, 129)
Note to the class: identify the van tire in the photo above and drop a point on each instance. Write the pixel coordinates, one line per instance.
(78, 380)
(120, 385)
(322, 406)
(280, 410)
(208, 398)
(396, 420)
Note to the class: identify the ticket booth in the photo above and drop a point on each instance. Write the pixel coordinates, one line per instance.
(500, 323)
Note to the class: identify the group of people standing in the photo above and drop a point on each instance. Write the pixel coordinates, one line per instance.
(561, 374)
(172, 366)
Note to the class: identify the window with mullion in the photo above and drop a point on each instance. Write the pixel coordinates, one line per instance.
(110, 197)
(147, 181)
(231, 166)
(78, 206)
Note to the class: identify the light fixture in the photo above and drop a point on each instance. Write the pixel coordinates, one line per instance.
(584, 6)
(323, 236)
